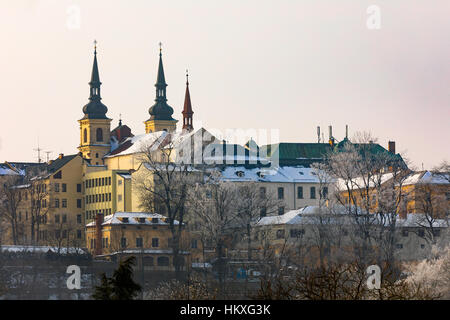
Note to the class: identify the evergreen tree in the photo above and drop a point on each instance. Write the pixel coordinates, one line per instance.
(121, 285)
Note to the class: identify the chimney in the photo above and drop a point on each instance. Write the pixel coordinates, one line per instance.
(330, 133)
(318, 134)
(98, 233)
(391, 147)
(61, 155)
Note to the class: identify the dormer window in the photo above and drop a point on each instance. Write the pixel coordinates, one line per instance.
(125, 220)
(154, 220)
(240, 173)
(141, 220)
(301, 173)
(260, 174)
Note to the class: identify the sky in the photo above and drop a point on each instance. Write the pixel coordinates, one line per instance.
(287, 65)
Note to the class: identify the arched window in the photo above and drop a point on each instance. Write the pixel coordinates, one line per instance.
(85, 135)
(99, 134)
(163, 261)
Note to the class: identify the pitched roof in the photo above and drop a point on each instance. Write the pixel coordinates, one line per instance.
(59, 163)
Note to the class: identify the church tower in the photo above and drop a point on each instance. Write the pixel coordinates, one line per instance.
(160, 112)
(187, 109)
(94, 126)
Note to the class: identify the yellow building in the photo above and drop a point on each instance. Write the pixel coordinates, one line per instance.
(51, 206)
(138, 233)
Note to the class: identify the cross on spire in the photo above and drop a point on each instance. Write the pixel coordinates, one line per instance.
(95, 46)
(187, 77)
(160, 47)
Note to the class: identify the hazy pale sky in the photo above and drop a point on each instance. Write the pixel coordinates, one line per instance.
(288, 65)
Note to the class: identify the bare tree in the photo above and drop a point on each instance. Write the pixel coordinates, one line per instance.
(213, 206)
(369, 185)
(10, 201)
(252, 203)
(163, 188)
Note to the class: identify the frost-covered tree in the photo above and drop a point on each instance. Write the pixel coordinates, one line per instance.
(432, 274)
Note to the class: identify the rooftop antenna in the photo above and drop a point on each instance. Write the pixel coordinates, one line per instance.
(48, 153)
(120, 119)
(38, 149)
(318, 134)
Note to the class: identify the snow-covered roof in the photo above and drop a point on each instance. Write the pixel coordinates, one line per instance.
(277, 174)
(427, 177)
(137, 143)
(362, 182)
(420, 219)
(309, 215)
(40, 249)
(136, 218)
(143, 251)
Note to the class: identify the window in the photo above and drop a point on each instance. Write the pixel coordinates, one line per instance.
(64, 187)
(96, 198)
(262, 192)
(85, 135)
(64, 218)
(64, 203)
(399, 246)
(109, 196)
(155, 242)
(421, 233)
(125, 220)
(148, 261)
(56, 218)
(436, 232)
(119, 182)
(103, 197)
(103, 181)
(422, 246)
(139, 242)
(404, 233)
(78, 234)
(280, 210)
(119, 197)
(280, 234)
(78, 218)
(296, 233)
(57, 234)
(299, 192)
(78, 203)
(44, 203)
(280, 193)
(263, 212)
(109, 180)
(105, 242)
(123, 242)
(56, 187)
(141, 220)
(155, 220)
(313, 192)
(163, 261)
(78, 187)
(64, 234)
(99, 134)
(324, 193)
(194, 244)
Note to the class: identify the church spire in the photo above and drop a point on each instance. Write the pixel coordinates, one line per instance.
(187, 110)
(161, 110)
(95, 78)
(95, 109)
